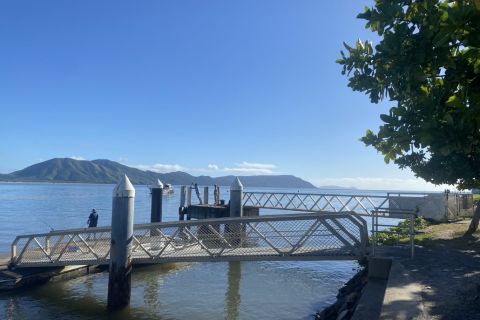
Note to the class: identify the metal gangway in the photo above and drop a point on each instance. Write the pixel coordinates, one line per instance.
(314, 202)
(313, 236)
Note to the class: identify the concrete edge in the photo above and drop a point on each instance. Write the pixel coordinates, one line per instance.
(390, 293)
(369, 306)
(403, 296)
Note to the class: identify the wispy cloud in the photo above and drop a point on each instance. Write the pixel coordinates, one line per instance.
(242, 168)
(412, 184)
(77, 158)
(245, 168)
(160, 167)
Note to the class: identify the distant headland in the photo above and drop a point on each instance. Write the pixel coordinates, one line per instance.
(69, 170)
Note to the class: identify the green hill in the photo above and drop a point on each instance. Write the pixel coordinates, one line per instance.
(106, 171)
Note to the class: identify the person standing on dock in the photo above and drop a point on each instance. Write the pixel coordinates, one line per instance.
(92, 219)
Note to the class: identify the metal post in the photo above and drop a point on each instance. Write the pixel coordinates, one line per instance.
(189, 196)
(47, 244)
(181, 208)
(376, 227)
(14, 252)
(120, 269)
(412, 234)
(205, 195)
(374, 239)
(156, 208)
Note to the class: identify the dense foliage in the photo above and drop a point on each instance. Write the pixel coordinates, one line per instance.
(428, 63)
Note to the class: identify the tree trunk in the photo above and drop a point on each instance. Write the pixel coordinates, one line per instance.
(475, 219)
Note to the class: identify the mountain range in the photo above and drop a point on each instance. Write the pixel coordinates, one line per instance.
(107, 171)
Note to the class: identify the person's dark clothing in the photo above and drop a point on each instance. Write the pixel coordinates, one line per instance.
(92, 220)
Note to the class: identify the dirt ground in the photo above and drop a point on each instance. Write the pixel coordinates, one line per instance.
(448, 268)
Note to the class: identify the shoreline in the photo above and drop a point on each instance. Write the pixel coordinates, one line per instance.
(347, 298)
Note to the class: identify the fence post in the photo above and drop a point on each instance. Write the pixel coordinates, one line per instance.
(120, 268)
(412, 234)
(374, 238)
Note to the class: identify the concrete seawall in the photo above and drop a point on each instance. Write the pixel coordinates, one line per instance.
(385, 290)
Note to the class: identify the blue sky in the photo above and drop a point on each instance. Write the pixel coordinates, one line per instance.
(208, 87)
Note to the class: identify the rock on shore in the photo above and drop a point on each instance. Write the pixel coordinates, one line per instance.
(347, 299)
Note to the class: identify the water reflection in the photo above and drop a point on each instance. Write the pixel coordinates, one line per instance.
(11, 307)
(152, 293)
(232, 296)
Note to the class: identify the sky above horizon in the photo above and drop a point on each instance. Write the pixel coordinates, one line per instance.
(206, 87)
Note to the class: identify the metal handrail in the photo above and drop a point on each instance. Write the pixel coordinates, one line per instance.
(406, 214)
(315, 236)
(308, 202)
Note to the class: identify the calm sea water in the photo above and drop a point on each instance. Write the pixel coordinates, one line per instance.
(236, 290)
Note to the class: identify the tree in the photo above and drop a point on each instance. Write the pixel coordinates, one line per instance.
(428, 63)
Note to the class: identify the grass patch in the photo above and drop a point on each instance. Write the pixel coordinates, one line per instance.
(400, 233)
(451, 234)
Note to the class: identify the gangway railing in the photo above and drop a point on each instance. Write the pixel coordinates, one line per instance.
(312, 202)
(314, 236)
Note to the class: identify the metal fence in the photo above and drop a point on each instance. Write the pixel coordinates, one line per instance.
(389, 228)
(316, 236)
(361, 204)
(436, 206)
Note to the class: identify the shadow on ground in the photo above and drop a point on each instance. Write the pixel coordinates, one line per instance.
(448, 270)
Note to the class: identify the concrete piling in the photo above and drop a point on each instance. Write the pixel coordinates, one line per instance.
(205, 195)
(120, 269)
(234, 231)
(156, 191)
(236, 198)
(157, 196)
(216, 195)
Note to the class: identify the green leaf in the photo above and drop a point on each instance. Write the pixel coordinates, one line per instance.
(387, 119)
(445, 150)
(453, 101)
(448, 118)
(424, 89)
(442, 37)
(347, 46)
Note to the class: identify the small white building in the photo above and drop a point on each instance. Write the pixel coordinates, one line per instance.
(434, 206)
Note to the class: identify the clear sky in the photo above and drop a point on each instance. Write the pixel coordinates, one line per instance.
(208, 87)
